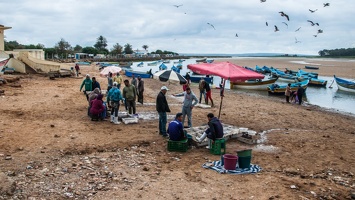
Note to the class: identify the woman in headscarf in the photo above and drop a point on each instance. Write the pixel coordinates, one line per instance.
(97, 108)
(92, 95)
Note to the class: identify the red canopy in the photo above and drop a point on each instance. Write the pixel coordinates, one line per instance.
(226, 70)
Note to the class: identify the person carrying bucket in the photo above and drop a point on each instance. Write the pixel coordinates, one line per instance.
(214, 131)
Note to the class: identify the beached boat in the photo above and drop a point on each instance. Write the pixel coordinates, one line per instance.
(249, 68)
(153, 63)
(266, 69)
(311, 67)
(201, 60)
(147, 74)
(253, 84)
(292, 72)
(162, 67)
(345, 85)
(209, 60)
(83, 63)
(313, 81)
(125, 65)
(310, 74)
(177, 70)
(140, 64)
(179, 66)
(288, 78)
(166, 61)
(197, 78)
(277, 89)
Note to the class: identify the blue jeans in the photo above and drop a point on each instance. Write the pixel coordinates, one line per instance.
(162, 123)
(186, 111)
(204, 95)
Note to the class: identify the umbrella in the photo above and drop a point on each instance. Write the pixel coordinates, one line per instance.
(169, 75)
(113, 69)
(225, 70)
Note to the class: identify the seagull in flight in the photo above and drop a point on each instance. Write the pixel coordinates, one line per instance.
(236, 35)
(320, 31)
(211, 26)
(312, 23)
(262, 1)
(267, 24)
(276, 29)
(284, 15)
(298, 29)
(297, 41)
(312, 11)
(177, 6)
(326, 4)
(285, 24)
(315, 35)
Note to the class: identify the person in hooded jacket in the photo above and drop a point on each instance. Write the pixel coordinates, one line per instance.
(114, 97)
(97, 108)
(214, 131)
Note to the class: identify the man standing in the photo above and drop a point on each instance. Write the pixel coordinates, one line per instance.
(134, 81)
(288, 92)
(109, 81)
(95, 84)
(176, 129)
(77, 69)
(162, 108)
(140, 89)
(300, 93)
(201, 87)
(118, 80)
(208, 93)
(188, 105)
(130, 94)
(88, 85)
(113, 98)
(214, 131)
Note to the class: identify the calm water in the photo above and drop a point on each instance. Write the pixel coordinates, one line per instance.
(324, 97)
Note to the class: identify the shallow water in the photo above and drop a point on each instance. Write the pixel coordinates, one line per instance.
(326, 97)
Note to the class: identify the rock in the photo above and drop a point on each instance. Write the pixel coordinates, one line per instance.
(52, 125)
(8, 158)
(313, 193)
(56, 136)
(293, 187)
(7, 185)
(145, 168)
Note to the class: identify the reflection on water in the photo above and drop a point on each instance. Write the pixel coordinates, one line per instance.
(322, 96)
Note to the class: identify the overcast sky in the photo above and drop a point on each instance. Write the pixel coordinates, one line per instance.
(160, 25)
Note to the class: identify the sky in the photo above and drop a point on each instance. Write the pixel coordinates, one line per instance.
(184, 29)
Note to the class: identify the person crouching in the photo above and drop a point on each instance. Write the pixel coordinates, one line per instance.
(97, 108)
(215, 130)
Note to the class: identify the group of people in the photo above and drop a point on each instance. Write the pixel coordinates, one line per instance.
(175, 129)
(127, 96)
(294, 96)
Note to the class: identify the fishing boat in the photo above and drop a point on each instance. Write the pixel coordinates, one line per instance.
(310, 74)
(179, 66)
(249, 68)
(311, 67)
(209, 60)
(255, 84)
(177, 70)
(140, 64)
(345, 85)
(197, 78)
(83, 63)
(266, 69)
(292, 72)
(259, 69)
(162, 67)
(153, 63)
(147, 74)
(288, 78)
(277, 89)
(125, 65)
(313, 81)
(201, 60)
(166, 61)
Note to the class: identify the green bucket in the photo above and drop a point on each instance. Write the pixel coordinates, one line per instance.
(244, 162)
(244, 153)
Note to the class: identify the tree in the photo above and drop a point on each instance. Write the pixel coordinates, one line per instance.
(128, 49)
(101, 44)
(78, 48)
(63, 47)
(145, 47)
(90, 50)
(117, 49)
(11, 45)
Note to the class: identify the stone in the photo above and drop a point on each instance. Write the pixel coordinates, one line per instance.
(52, 125)
(293, 187)
(7, 185)
(8, 158)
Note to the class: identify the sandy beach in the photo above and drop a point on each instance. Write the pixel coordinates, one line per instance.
(49, 148)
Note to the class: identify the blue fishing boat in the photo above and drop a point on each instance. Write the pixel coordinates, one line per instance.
(310, 74)
(153, 63)
(209, 60)
(311, 67)
(162, 66)
(177, 70)
(179, 66)
(266, 69)
(345, 85)
(140, 64)
(249, 68)
(83, 63)
(292, 72)
(259, 69)
(147, 74)
(125, 65)
(313, 81)
(197, 78)
(277, 89)
(166, 61)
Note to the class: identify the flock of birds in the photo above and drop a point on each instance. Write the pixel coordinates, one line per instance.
(276, 29)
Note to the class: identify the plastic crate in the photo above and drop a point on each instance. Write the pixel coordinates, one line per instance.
(180, 146)
(217, 146)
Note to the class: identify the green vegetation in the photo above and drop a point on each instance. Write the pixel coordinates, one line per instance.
(349, 52)
(63, 48)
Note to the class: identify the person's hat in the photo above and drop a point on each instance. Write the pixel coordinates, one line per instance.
(164, 88)
(115, 83)
(87, 75)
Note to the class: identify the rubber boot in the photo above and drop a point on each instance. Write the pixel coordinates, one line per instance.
(206, 101)
(116, 121)
(209, 144)
(112, 118)
(203, 136)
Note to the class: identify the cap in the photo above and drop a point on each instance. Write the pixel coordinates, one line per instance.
(164, 88)
(87, 75)
(115, 83)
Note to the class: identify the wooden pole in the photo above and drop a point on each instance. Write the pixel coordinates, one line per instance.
(222, 95)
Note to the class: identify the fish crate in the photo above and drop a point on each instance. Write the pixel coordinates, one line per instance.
(250, 140)
(180, 146)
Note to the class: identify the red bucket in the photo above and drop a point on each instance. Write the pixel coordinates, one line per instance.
(230, 161)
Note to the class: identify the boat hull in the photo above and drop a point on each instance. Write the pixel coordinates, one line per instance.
(310, 67)
(281, 89)
(129, 73)
(345, 85)
(262, 85)
(196, 79)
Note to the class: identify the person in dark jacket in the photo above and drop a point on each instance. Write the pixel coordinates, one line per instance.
(162, 108)
(176, 129)
(300, 92)
(214, 131)
(208, 93)
(95, 84)
(140, 89)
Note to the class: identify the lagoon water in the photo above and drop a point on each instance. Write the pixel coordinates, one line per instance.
(326, 97)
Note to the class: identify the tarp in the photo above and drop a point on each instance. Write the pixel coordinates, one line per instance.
(225, 70)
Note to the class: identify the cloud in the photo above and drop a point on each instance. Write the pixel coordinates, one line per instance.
(160, 25)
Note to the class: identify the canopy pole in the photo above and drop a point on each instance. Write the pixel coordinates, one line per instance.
(222, 95)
